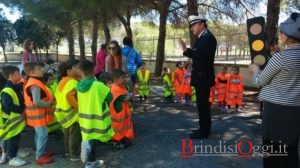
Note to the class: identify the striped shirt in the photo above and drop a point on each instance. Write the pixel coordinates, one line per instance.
(280, 80)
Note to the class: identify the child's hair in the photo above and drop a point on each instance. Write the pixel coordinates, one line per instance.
(104, 77)
(7, 70)
(225, 67)
(49, 61)
(86, 67)
(116, 74)
(178, 63)
(64, 67)
(187, 64)
(46, 76)
(30, 66)
(236, 67)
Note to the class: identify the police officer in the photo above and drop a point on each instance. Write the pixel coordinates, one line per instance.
(202, 55)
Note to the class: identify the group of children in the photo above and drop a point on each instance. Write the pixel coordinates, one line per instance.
(227, 91)
(87, 111)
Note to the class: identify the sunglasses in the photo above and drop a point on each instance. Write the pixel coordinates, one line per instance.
(112, 48)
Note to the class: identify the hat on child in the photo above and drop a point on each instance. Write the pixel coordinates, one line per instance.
(195, 19)
(291, 26)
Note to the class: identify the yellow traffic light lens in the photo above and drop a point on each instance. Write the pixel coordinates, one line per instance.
(259, 60)
(257, 45)
(255, 29)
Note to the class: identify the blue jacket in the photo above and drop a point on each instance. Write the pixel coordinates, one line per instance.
(133, 59)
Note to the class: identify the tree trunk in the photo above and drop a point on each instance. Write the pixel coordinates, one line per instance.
(5, 56)
(126, 23)
(192, 10)
(81, 39)
(56, 45)
(106, 29)
(160, 54)
(273, 10)
(94, 37)
(70, 38)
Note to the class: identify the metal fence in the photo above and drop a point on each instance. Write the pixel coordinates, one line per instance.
(231, 45)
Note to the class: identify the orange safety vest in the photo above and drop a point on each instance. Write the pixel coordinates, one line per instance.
(37, 116)
(121, 122)
(212, 95)
(221, 87)
(186, 86)
(179, 80)
(234, 94)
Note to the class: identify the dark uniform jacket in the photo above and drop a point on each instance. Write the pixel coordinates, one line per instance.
(203, 55)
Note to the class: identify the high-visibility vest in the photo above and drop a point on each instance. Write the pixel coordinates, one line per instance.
(37, 116)
(179, 80)
(194, 98)
(15, 122)
(94, 116)
(64, 113)
(221, 87)
(54, 125)
(143, 86)
(121, 121)
(168, 87)
(234, 94)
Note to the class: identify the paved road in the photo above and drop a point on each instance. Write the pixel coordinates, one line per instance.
(160, 129)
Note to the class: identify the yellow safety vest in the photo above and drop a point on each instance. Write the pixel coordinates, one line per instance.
(64, 113)
(194, 98)
(15, 122)
(94, 115)
(143, 86)
(169, 89)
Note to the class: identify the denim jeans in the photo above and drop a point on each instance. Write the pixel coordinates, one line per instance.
(41, 136)
(13, 146)
(4, 145)
(92, 155)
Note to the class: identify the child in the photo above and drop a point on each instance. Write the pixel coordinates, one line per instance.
(38, 102)
(66, 110)
(235, 88)
(186, 87)
(168, 79)
(143, 86)
(106, 79)
(94, 117)
(12, 104)
(120, 111)
(178, 81)
(48, 79)
(220, 87)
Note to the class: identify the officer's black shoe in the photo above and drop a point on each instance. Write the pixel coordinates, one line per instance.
(198, 135)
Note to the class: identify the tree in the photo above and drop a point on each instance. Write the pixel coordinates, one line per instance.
(273, 10)
(7, 33)
(192, 7)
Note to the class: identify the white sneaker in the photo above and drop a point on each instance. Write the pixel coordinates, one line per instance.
(16, 161)
(85, 150)
(3, 159)
(95, 164)
(24, 152)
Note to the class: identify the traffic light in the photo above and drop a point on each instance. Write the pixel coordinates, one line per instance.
(258, 41)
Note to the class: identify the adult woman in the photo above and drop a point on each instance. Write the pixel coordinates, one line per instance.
(114, 59)
(280, 94)
(27, 54)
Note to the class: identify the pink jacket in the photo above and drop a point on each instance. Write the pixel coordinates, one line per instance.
(27, 56)
(100, 62)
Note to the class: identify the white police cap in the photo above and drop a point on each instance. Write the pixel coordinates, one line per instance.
(195, 19)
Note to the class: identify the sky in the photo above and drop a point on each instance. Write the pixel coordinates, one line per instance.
(12, 16)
